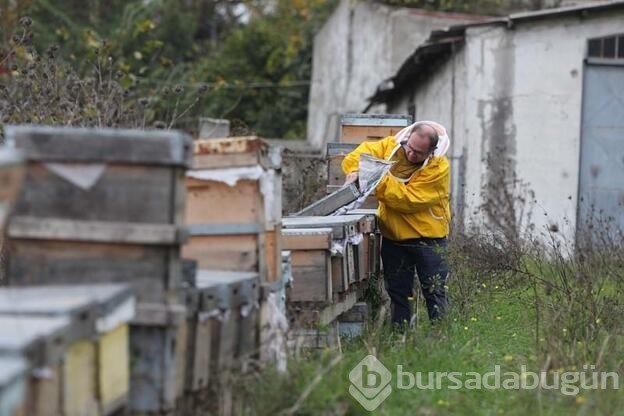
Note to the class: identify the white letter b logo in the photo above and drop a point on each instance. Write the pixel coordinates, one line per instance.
(370, 382)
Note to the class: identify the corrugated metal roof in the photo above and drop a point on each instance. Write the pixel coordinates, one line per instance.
(441, 44)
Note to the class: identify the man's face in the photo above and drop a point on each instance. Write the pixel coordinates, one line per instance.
(417, 148)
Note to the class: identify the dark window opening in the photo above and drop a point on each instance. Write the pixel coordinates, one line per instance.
(609, 47)
(594, 49)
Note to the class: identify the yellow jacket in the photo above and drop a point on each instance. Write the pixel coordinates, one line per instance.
(412, 208)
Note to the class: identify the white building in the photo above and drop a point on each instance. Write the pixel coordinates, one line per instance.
(358, 47)
(534, 103)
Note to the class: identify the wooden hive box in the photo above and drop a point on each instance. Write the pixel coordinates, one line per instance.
(233, 311)
(116, 307)
(241, 232)
(273, 320)
(357, 128)
(345, 230)
(369, 254)
(103, 312)
(99, 205)
(79, 371)
(14, 375)
(158, 337)
(199, 294)
(310, 254)
(42, 341)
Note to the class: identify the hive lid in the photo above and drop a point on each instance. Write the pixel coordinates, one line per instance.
(100, 145)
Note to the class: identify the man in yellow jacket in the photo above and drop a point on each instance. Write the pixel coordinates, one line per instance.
(414, 214)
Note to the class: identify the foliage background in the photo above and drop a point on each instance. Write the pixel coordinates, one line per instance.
(163, 63)
(248, 61)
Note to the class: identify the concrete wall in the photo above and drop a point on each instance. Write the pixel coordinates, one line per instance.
(362, 44)
(520, 92)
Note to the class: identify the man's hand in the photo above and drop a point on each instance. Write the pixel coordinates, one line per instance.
(351, 177)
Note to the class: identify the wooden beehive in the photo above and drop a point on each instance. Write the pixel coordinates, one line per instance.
(42, 341)
(157, 347)
(273, 320)
(234, 313)
(103, 312)
(223, 330)
(345, 230)
(357, 128)
(99, 205)
(310, 254)
(96, 368)
(369, 251)
(79, 367)
(13, 382)
(241, 231)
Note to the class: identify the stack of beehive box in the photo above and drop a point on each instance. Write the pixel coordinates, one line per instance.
(102, 206)
(234, 206)
(333, 257)
(233, 214)
(80, 367)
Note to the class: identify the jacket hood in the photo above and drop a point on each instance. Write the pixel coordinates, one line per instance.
(443, 139)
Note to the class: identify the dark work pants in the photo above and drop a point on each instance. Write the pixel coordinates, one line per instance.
(425, 257)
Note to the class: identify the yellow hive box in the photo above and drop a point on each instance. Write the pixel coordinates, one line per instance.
(96, 364)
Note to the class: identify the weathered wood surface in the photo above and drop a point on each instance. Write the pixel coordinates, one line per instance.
(369, 203)
(234, 152)
(155, 341)
(312, 315)
(342, 226)
(223, 324)
(340, 273)
(336, 153)
(357, 128)
(55, 342)
(42, 340)
(14, 376)
(146, 268)
(306, 238)
(273, 245)
(84, 145)
(361, 119)
(45, 302)
(104, 309)
(123, 193)
(312, 276)
(226, 252)
(235, 324)
(360, 312)
(359, 134)
(34, 228)
(239, 204)
(153, 370)
(331, 202)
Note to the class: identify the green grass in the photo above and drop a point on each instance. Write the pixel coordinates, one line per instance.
(499, 329)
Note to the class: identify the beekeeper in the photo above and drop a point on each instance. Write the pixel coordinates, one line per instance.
(414, 214)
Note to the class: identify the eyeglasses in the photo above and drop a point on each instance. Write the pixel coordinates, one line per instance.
(407, 147)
